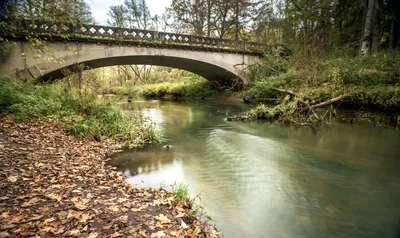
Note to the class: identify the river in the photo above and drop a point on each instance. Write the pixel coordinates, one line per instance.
(267, 180)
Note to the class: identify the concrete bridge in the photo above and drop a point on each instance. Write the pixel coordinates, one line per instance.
(215, 59)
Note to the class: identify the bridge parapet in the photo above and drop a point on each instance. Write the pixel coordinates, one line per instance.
(87, 32)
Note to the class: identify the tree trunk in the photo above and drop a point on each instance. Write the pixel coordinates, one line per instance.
(367, 37)
(375, 30)
(208, 18)
(395, 29)
(237, 20)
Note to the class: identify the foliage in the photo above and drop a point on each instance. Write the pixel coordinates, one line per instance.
(79, 114)
(273, 63)
(133, 14)
(186, 87)
(370, 80)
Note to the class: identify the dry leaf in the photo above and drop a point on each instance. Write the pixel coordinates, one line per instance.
(113, 208)
(93, 235)
(158, 234)
(4, 234)
(84, 218)
(81, 206)
(181, 214)
(12, 179)
(163, 219)
(48, 220)
(75, 232)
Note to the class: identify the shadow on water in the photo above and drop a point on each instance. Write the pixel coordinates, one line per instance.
(267, 180)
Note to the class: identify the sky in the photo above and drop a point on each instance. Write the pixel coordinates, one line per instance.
(100, 7)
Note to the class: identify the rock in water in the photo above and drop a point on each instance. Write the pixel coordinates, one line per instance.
(247, 99)
(167, 147)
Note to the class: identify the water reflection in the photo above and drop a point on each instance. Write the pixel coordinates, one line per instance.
(267, 180)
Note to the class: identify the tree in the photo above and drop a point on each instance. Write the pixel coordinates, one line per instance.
(368, 28)
(394, 40)
(117, 16)
(72, 11)
(190, 15)
(138, 14)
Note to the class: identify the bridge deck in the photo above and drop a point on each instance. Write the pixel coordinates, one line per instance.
(127, 36)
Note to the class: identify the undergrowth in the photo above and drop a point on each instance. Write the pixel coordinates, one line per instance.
(80, 115)
(372, 80)
(185, 87)
(301, 83)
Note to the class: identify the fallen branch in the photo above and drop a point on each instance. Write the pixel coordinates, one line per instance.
(329, 102)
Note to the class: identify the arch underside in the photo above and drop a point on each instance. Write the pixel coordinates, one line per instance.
(209, 71)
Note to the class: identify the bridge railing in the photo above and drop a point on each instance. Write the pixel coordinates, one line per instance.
(88, 31)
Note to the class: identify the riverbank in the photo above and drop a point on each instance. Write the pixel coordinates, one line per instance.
(79, 111)
(293, 88)
(195, 87)
(53, 184)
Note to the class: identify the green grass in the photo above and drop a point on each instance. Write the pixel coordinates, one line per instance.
(180, 192)
(80, 115)
(186, 87)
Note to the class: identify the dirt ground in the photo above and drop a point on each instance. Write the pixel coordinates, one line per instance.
(54, 185)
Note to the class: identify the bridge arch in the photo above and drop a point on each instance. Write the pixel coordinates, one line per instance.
(207, 70)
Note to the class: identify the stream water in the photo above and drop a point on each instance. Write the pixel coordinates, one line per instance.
(267, 180)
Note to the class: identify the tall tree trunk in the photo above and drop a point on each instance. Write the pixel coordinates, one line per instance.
(367, 37)
(395, 29)
(237, 20)
(208, 18)
(375, 30)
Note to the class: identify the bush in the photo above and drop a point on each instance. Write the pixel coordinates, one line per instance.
(274, 63)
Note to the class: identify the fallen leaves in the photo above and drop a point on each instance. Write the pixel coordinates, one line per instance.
(58, 186)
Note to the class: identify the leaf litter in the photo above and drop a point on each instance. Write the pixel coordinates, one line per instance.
(54, 185)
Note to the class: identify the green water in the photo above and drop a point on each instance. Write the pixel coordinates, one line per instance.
(267, 180)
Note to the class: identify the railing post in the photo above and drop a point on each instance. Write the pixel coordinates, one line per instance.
(161, 36)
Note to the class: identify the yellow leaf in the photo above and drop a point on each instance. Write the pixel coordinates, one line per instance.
(181, 214)
(75, 232)
(80, 206)
(163, 219)
(48, 229)
(93, 235)
(113, 208)
(84, 218)
(158, 234)
(55, 197)
(12, 179)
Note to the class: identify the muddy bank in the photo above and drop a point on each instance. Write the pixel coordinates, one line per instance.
(55, 185)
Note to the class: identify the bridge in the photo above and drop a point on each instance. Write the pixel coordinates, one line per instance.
(219, 60)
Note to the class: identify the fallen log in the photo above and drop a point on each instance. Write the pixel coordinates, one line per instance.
(329, 102)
